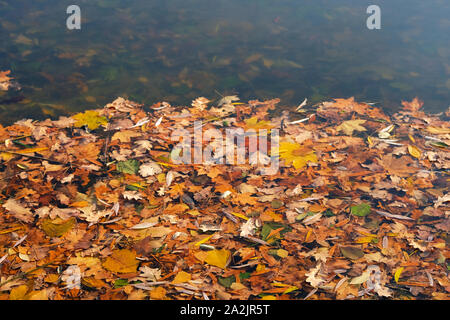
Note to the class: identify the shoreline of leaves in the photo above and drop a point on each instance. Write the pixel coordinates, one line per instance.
(91, 206)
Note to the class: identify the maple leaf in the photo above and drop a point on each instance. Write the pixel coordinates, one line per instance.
(151, 274)
(227, 100)
(5, 80)
(91, 119)
(297, 155)
(132, 195)
(397, 166)
(351, 125)
(200, 103)
(149, 169)
(413, 106)
(256, 124)
(313, 276)
(125, 136)
(4, 75)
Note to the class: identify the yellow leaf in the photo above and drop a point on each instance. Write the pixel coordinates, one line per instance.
(57, 227)
(52, 277)
(91, 119)
(438, 130)
(260, 268)
(351, 125)
(91, 282)
(30, 150)
(121, 261)
(269, 297)
(18, 293)
(80, 204)
(38, 295)
(414, 151)
(206, 239)
(365, 239)
(239, 215)
(253, 123)
(295, 154)
(181, 277)
(237, 286)
(282, 253)
(159, 293)
(398, 273)
(193, 212)
(218, 258)
(5, 156)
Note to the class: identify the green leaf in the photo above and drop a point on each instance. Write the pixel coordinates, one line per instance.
(226, 282)
(276, 204)
(353, 253)
(130, 166)
(269, 226)
(361, 210)
(244, 275)
(120, 283)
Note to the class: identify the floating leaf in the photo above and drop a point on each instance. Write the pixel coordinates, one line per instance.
(414, 151)
(91, 119)
(351, 125)
(295, 154)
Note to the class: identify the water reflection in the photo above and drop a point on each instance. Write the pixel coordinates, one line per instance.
(177, 50)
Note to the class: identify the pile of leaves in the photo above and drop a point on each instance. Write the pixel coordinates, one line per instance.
(92, 207)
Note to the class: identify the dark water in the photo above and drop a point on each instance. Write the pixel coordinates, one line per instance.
(176, 50)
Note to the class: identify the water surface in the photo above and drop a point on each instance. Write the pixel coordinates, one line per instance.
(177, 50)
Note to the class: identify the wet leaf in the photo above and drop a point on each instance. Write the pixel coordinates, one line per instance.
(91, 119)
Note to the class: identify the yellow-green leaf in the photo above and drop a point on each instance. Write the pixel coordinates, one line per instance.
(91, 119)
(297, 155)
(57, 227)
